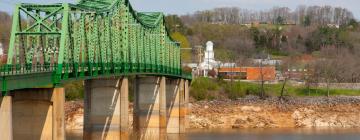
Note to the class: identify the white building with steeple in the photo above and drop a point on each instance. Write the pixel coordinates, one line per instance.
(1, 49)
(209, 62)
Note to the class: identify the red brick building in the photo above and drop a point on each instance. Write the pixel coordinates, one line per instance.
(249, 73)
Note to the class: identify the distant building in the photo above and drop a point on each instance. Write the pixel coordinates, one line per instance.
(1, 49)
(249, 73)
(298, 67)
(227, 65)
(270, 62)
(3, 56)
(209, 63)
(337, 26)
(297, 74)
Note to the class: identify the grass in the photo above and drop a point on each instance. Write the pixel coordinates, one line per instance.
(202, 88)
(209, 89)
(206, 89)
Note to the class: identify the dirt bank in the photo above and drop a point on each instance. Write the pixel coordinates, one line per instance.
(252, 112)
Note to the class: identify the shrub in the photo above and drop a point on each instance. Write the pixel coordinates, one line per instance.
(234, 91)
(74, 91)
(203, 89)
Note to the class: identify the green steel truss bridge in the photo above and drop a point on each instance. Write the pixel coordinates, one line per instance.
(53, 44)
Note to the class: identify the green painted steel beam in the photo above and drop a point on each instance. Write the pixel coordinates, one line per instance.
(56, 43)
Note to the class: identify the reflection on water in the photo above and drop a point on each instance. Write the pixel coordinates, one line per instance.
(257, 134)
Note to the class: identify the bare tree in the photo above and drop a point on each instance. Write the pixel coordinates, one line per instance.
(319, 15)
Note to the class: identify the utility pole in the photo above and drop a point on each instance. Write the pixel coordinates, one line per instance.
(199, 54)
(199, 57)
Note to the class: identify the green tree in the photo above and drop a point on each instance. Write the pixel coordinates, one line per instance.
(175, 24)
(280, 20)
(255, 33)
(353, 23)
(307, 21)
(185, 45)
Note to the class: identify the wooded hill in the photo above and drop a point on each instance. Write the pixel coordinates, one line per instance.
(331, 36)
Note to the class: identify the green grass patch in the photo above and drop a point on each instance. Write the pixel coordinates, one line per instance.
(207, 89)
(202, 88)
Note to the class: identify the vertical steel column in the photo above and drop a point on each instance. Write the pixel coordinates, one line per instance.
(125, 35)
(14, 29)
(64, 35)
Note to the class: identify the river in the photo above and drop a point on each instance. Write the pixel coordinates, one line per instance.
(257, 134)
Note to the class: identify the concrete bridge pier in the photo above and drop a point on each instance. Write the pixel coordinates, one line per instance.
(173, 100)
(177, 105)
(106, 109)
(185, 107)
(160, 107)
(150, 108)
(33, 114)
(6, 118)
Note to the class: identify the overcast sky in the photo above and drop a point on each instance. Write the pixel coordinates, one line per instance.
(189, 6)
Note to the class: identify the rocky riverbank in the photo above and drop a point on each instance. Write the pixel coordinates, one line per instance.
(252, 112)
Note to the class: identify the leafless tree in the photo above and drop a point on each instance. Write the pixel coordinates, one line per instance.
(321, 15)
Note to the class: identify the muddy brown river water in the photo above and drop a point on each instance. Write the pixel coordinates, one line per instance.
(256, 134)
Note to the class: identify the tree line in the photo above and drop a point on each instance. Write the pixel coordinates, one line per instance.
(306, 15)
(5, 28)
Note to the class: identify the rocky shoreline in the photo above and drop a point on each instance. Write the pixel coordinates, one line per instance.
(253, 112)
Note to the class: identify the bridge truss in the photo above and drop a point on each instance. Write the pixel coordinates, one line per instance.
(52, 44)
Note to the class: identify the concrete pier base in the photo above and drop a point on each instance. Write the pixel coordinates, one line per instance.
(186, 103)
(106, 109)
(173, 105)
(183, 107)
(150, 108)
(6, 118)
(38, 114)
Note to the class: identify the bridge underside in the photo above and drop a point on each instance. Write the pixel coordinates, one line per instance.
(45, 80)
(160, 107)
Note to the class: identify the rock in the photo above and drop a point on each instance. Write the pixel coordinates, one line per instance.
(250, 109)
(206, 107)
(320, 123)
(296, 115)
(253, 122)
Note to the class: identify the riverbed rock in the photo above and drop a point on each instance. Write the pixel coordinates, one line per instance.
(253, 112)
(250, 109)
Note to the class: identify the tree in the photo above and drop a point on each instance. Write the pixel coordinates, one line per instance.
(5, 29)
(280, 20)
(175, 24)
(184, 43)
(353, 23)
(307, 21)
(318, 15)
(283, 89)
